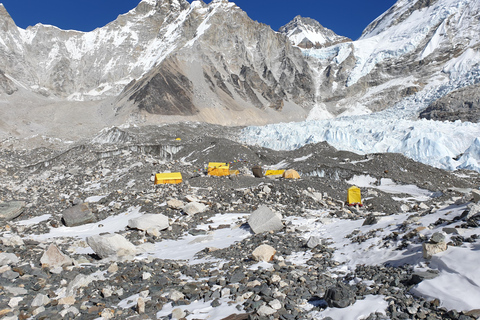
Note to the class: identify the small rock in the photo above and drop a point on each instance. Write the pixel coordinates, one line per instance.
(476, 195)
(175, 204)
(40, 300)
(54, 258)
(265, 311)
(140, 305)
(437, 237)
(178, 313)
(8, 258)
(314, 241)
(370, 220)
(264, 253)
(430, 249)
(13, 241)
(193, 208)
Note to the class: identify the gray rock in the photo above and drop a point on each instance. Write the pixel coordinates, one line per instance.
(78, 215)
(437, 237)
(40, 300)
(8, 258)
(370, 220)
(340, 296)
(263, 219)
(476, 195)
(11, 209)
(314, 241)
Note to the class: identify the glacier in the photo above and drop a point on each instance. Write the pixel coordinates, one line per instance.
(445, 145)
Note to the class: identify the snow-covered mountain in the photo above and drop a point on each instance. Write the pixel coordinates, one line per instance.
(308, 33)
(169, 60)
(418, 56)
(216, 59)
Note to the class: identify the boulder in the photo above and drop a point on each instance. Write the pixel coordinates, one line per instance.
(78, 215)
(370, 220)
(149, 221)
(264, 253)
(437, 237)
(11, 209)
(263, 219)
(340, 296)
(472, 210)
(430, 249)
(194, 207)
(110, 245)
(265, 311)
(175, 204)
(8, 258)
(314, 241)
(54, 258)
(13, 241)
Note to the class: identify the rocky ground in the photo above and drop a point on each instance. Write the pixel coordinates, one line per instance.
(113, 175)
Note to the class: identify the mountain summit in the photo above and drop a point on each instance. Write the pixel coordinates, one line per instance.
(308, 33)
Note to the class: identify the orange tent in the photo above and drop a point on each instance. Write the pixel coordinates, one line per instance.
(291, 174)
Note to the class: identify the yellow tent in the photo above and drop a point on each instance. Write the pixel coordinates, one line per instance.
(291, 174)
(274, 172)
(168, 178)
(218, 169)
(354, 196)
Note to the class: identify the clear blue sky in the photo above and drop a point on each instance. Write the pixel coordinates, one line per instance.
(345, 17)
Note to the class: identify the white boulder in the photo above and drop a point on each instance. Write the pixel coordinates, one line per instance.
(193, 208)
(149, 221)
(263, 219)
(110, 245)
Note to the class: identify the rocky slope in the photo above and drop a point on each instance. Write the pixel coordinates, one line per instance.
(202, 261)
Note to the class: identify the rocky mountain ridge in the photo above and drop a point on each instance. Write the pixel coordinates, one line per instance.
(169, 60)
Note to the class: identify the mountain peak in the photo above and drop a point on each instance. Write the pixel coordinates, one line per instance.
(308, 33)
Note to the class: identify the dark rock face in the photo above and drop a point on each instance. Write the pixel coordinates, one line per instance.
(463, 104)
(165, 91)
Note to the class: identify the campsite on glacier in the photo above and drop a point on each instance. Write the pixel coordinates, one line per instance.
(91, 122)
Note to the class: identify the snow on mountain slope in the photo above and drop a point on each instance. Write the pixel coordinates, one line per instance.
(410, 46)
(423, 49)
(308, 33)
(82, 65)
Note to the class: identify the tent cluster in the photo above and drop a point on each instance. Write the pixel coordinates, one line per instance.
(220, 169)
